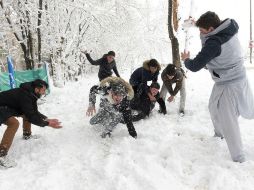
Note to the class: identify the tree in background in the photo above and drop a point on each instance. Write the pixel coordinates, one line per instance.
(56, 30)
(172, 28)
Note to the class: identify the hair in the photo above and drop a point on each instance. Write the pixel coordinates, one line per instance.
(111, 53)
(153, 63)
(38, 83)
(171, 69)
(155, 85)
(207, 20)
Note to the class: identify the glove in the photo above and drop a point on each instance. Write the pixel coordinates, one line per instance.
(133, 133)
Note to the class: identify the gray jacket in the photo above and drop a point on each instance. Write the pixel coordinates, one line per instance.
(221, 53)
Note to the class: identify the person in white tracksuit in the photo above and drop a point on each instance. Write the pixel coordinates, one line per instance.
(231, 95)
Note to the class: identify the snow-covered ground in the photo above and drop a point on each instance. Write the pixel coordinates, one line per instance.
(169, 153)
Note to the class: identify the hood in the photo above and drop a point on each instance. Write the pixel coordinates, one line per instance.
(146, 67)
(110, 81)
(224, 32)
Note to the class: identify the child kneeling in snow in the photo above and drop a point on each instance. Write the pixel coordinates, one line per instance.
(114, 105)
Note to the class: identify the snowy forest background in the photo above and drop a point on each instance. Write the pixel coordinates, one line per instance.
(35, 31)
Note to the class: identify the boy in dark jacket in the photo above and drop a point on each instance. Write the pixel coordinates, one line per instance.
(172, 75)
(107, 64)
(144, 105)
(140, 77)
(21, 102)
(114, 105)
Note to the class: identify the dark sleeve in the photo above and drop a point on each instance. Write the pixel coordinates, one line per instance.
(97, 62)
(42, 116)
(32, 114)
(179, 83)
(211, 49)
(92, 95)
(116, 71)
(138, 117)
(94, 91)
(143, 88)
(155, 79)
(162, 105)
(168, 85)
(128, 120)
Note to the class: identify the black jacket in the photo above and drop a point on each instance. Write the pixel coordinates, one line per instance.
(105, 67)
(23, 101)
(144, 105)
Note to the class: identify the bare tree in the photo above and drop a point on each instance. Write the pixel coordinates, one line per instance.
(39, 29)
(172, 27)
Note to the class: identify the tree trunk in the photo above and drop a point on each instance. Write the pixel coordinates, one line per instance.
(39, 30)
(172, 10)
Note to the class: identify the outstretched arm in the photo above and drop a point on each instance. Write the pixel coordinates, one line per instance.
(116, 71)
(93, 62)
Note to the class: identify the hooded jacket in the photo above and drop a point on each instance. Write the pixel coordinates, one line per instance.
(106, 101)
(177, 79)
(23, 101)
(221, 53)
(106, 68)
(142, 75)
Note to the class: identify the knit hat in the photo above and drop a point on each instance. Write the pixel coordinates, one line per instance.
(155, 85)
(112, 53)
(153, 63)
(171, 70)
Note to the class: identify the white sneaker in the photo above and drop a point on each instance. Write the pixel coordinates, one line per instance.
(7, 162)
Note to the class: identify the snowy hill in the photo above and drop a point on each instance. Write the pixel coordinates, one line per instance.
(169, 153)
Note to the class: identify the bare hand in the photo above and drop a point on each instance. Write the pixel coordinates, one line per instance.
(54, 123)
(185, 55)
(170, 98)
(90, 111)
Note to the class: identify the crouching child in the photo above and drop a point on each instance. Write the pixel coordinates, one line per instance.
(114, 106)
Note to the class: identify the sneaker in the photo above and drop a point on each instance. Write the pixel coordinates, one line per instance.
(218, 135)
(7, 162)
(181, 113)
(105, 134)
(27, 137)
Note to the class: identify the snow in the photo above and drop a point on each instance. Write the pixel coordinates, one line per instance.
(170, 152)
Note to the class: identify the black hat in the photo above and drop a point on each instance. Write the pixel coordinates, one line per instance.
(153, 63)
(171, 70)
(118, 89)
(112, 53)
(155, 85)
